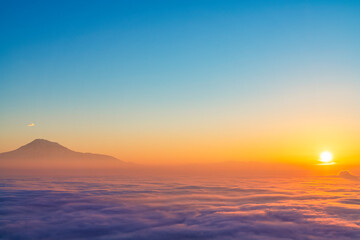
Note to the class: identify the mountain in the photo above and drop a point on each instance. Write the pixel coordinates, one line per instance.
(42, 153)
(348, 175)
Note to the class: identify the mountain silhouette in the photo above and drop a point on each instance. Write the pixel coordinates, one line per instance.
(42, 153)
(348, 175)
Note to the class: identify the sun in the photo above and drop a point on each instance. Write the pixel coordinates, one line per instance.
(326, 158)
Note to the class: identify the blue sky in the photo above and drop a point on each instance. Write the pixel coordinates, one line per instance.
(163, 65)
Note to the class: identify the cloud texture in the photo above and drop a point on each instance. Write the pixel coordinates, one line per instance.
(115, 208)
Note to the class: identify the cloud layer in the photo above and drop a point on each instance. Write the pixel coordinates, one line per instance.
(115, 208)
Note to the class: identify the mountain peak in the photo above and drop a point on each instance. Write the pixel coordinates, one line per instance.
(42, 153)
(42, 144)
(41, 140)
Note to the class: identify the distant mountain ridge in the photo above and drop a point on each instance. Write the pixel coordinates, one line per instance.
(42, 153)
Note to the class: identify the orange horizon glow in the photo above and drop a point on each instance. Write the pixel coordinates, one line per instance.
(281, 133)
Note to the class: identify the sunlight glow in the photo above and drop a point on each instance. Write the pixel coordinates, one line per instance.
(326, 158)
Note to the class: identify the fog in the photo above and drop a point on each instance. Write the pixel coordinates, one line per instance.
(179, 208)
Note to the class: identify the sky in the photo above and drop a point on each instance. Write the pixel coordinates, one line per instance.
(183, 81)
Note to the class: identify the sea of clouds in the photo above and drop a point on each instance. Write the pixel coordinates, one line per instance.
(179, 208)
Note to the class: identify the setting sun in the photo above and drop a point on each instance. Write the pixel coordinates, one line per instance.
(326, 158)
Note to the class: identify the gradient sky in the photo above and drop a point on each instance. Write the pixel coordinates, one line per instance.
(183, 81)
